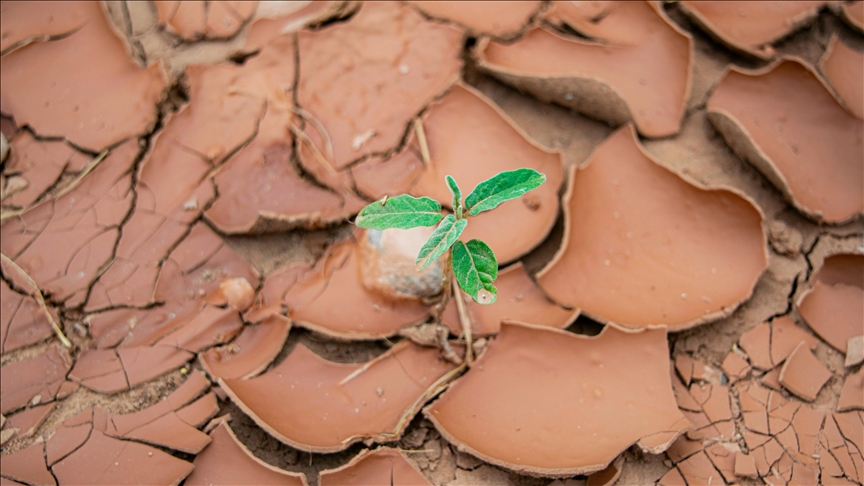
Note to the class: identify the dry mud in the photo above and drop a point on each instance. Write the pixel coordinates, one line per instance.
(178, 182)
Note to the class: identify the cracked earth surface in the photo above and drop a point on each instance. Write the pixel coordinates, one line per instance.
(682, 303)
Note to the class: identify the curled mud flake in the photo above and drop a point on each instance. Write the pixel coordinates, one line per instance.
(519, 300)
(379, 176)
(843, 68)
(143, 363)
(331, 299)
(23, 22)
(386, 261)
(63, 243)
(29, 420)
(608, 476)
(465, 125)
(212, 326)
(498, 20)
(40, 164)
(509, 398)
(22, 321)
(200, 411)
(100, 370)
(832, 308)
(615, 81)
(136, 327)
(381, 466)
(227, 461)
(358, 81)
(33, 380)
(103, 460)
(785, 122)
(853, 13)
(276, 285)
(237, 293)
(316, 405)
(273, 19)
(803, 374)
(852, 394)
(710, 242)
(28, 466)
(83, 87)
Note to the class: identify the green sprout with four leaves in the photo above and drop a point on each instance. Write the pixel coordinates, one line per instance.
(474, 264)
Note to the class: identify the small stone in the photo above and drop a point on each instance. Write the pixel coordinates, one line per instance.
(387, 264)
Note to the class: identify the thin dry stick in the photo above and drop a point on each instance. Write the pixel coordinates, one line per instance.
(421, 139)
(328, 144)
(89, 168)
(37, 294)
(320, 158)
(465, 320)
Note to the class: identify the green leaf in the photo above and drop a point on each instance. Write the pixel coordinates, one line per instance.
(401, 212)
(442, 238)
(502, 187)
(475, 268)
(457, 196)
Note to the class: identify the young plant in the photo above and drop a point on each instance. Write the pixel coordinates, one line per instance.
(474, 264)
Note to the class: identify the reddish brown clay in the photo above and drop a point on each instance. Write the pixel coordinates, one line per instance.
(227, 461)
(852, 394)
(497, 20)
(33, 380)
(321, 406)
(843, 68)
(465, 125)
(644, 258)
(381, 466)
(253, 350)
(83, 87)
(509, 399)
(853, 12)
(617, 79)
(22, 321)
(23, 22)
(803, 374)
(832, 308)
(27, 466)
(29, 420)
(750, 27)
(785, 122)
(196, 19)
(519, 300)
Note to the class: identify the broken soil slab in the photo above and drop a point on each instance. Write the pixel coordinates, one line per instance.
(532, 381)
(64, 243)
(248, 355)
(320, 406)
(661, 251)
(617, 79)
(33, 380)
(22, 320)
(769, 343)
(853, 13)
(465, 125)
(786, 122)
(330, 298)
(23, 22)
(83, 87)
(397, 59)
(852, 394)
(227, 461)
(803, 374)
(28, 466)
(519, 300)
(832, 308)
(29, 420)
(843, 68)
(198, 20)
(501, 20)
(380, 466)
(212, 326)
(751, 27)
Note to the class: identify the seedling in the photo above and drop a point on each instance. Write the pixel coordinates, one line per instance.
(474, 264)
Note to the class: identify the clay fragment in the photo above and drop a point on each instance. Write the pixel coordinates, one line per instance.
(334, 285)
(27, 466)
(103, 460)
(832, 308)
(750, 27)
(212, 326)
(69, 436)
(852, 394)
(23, 22)
(803, 374)
(519, 300)
(22, 321)
(815, 158)
(378, 176)
(227, 461)
(853, 12)
(507, 400)
(100, 370)
(321, 406)
(497, 20)
(465, 125)
(381, 466)
(253, 350)
(33, 380)
(63, 243)
(735, 367)
(843, 68)
(197, 20)
(83, 87)
(608, 476)
(745, 465)
(372, 74)
(143, 363)
(613, 79)
(29, 420)
(39, 163)
(712, 247)
(200, 411)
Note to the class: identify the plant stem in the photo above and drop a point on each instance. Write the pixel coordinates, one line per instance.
(465, 320)
(37, 294)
